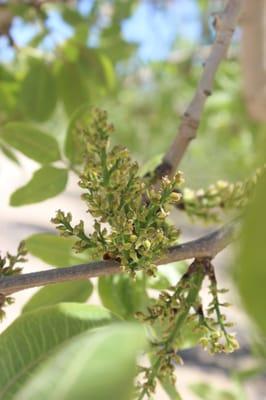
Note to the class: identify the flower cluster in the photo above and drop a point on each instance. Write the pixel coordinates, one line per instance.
(168, 315)
(215, 336)
(8, 267)
(222, 195)
(116, 196)
(130, 225)
(180, 306)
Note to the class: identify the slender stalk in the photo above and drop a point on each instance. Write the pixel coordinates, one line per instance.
(225, 26)
(206, 246)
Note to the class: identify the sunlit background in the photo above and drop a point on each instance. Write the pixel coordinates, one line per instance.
(140, 60)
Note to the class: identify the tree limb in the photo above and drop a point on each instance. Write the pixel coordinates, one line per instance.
(206, 246)
(225, 26)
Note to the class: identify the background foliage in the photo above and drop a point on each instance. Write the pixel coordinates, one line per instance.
(50, 76)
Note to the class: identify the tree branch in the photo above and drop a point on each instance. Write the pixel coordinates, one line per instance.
(206, 246)
(225, 26)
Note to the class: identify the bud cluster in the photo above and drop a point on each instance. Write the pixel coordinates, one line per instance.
(8, 267)
(207, 204)
(116, 195)
(168, 314)
(182, 305)
(215, 337)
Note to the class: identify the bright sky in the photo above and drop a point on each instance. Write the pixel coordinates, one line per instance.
(156, 29)
(153, 28)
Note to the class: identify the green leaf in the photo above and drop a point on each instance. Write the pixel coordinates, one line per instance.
(38, 92)
(100, 67)
(165, 381)
(207, 392)
(46, 182)
(73, 87)
(34, 335)
(251, 272)
(189, 336)
(32, 142)
(122, 295)
(6, 150)
(96, 366)
(158, 282)
(73, 146)
(170, 389)
(71, 16)
(108, 71)
(76, 291)
(246, 374)
(55, 250)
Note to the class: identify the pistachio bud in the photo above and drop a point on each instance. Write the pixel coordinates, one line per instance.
(175, 196)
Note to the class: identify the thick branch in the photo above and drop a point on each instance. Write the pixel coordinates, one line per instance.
(225, 26)
(206, 246)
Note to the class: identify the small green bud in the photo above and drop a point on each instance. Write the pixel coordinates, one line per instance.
(133, 238)
(147, 244)
(175, 196)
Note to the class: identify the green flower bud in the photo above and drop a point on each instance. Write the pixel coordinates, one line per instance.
(175, 196)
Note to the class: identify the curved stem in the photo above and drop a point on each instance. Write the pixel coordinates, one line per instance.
(225, 25)
(206, 246)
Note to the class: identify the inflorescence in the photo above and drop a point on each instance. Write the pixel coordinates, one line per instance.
(207, 204)
(130, 216)
(177, 307)
(8, 267)
(131, 227)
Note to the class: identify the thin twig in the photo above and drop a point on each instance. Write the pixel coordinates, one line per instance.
(225, 26)
(206, 246)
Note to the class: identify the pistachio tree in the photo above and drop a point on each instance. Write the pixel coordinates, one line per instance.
(60, 347)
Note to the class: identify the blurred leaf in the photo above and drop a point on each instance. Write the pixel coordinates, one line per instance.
(246, 374)
(207, 392)
(122, 295)
(158, 282)
(166, 383)
(189, 336)
(47, 182)
(251, 273)
(76, 291)
(72, 86)
(31, 141)
(70, 15)
(55, 250)
(203, 4)
(9, 88)
(34, 335)
(170, 389)
(8, 96)
(114, 45)
(82, 33)
(123, 9)
(38, 92)
(97, 366)
(79, 119)
(37, 39)
(98, 67)
(108, 71)
(258, 346)
(70, 51)
(6, 150)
